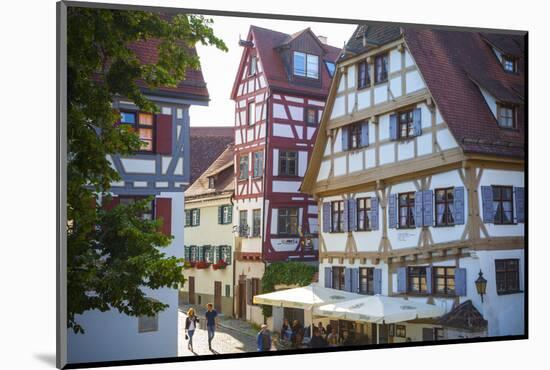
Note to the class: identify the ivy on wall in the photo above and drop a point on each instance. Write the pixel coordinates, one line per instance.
(288, 273)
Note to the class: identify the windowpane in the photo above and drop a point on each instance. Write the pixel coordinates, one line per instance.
(126, 117)
(507, 275)
(312, 66)
(243, 167)
(256, 226)
(406, 210)
(311, 116)
(502, 205)
(444, 207)
(331, 67)
(251, 117)
(381, 68)
(299, 64)
(146, 119)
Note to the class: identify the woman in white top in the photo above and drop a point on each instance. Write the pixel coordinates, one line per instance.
(191, 323)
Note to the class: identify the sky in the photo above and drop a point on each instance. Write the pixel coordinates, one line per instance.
(220, 68)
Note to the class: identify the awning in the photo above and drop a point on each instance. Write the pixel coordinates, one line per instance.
(304, 297)
(379, 309)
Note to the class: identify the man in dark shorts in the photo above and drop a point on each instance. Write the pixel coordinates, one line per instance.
(210, 315)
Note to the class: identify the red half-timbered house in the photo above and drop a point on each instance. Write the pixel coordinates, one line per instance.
(279, 93)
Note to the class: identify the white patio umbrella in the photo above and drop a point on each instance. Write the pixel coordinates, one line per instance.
(379, 309)
(304, 297)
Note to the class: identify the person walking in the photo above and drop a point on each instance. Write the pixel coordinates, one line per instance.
(263, 339)
(211, 323)
(191, 323)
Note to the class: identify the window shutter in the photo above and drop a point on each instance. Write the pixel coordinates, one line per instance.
(487, 201)
(164, 134)
(417, 122)
(200, 253)
(352, 216)
(365, 133)
(373, 214)
(393, 126)
(187, 217)
(377, 277)
(230, 215)
(347, 279)
(392, 211)
(220, 215)
(520, 204)
(460, 282)
(186, 253)
(109, 204)
(355, 280)
(428, 211)
(345, 141)
(326, 217)
(429, 281)
(164, 211)
(345, 215)
(198, 216)
(418, 207)
(402, 280)
(459, 205)
(328, 277)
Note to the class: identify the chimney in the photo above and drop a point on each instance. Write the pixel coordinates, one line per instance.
(323, 39)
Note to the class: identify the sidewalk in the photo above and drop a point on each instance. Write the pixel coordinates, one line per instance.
(226, 322)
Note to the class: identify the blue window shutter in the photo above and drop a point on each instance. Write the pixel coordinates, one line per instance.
(520, 204)
(365, 133)
(459, 205)
(345, 215)
(460, 282)
(328, 277)
(347, 279)
(418, 207)
(417, 122)
(374, 213)
(487, 201)
(428, 211)
(392, 211)
(429, 283)
(345, 140)
(393, 126)
(402, 280)
(326, 217)
(355, 280)
(352, 214)
(377, 277)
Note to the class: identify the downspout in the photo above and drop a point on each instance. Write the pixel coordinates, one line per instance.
(264, 181)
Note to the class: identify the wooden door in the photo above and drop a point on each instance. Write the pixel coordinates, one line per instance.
(218, 296)
(191, 289)
(241, 304)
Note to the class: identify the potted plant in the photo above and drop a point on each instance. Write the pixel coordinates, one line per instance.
(202, 265)
(188, 264)
(220, 265)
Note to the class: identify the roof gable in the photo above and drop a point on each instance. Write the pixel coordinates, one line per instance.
(222, 171)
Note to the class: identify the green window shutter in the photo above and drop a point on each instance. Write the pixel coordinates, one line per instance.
(187, 217)
(220, 215)
(198, 217)
(230, 215)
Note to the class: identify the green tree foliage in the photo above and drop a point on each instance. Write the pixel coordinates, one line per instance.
(113, 255)
(287, 273)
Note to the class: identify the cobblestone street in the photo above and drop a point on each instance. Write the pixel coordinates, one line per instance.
(232, 336)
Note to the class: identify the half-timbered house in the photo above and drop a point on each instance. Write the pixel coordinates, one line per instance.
(418, 170)
(160, 169)
(279, 93)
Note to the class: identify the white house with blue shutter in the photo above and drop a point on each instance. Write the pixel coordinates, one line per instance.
(418, 170)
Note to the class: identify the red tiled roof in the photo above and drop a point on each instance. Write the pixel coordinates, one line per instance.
(206, 144)
(454, 65)
(193, 84)
(266, 42)
(222, 169)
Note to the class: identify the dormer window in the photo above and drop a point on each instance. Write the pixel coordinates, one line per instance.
(211, 182)
(252, 70)
(306, 65)
(509, 63)
(506, 115)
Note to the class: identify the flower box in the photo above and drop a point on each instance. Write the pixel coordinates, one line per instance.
(220, 265)
(188, 264)
(202, 265)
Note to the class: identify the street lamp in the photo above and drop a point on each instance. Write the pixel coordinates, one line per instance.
(481, 285)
